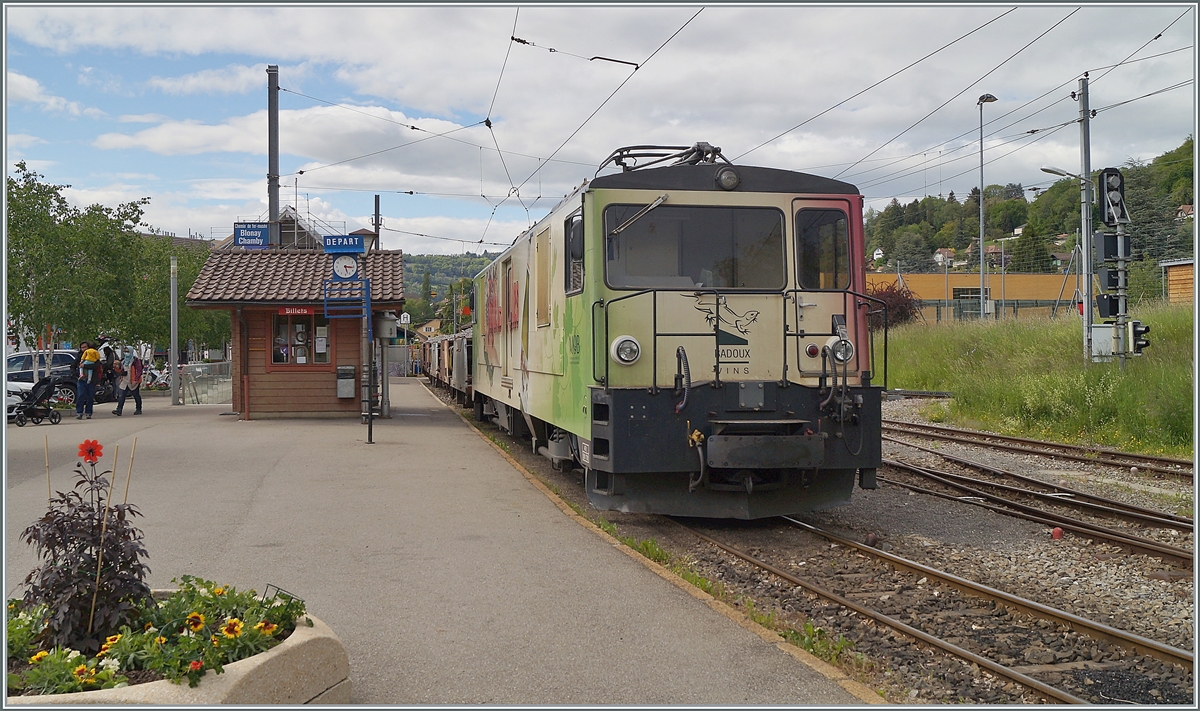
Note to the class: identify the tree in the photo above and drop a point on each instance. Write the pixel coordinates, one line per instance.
(426, 294)
(912, 253)
(67, 267)
(1029, 253)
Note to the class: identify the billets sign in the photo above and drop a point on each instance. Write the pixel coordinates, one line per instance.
(252, 235)
(296, 310)
(349, 244)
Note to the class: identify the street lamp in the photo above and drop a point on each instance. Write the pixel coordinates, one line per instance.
(985, 99)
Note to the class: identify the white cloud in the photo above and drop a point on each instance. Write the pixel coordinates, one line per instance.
(143, 118)
(233, 79)
(22, 140)
(23, 89)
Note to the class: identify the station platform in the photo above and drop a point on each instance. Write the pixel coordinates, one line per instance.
(448, 576)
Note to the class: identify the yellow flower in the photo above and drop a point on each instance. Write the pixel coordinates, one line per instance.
(160, 640)
(266, 628)
(80, 671)
(218, 591)
(216, 642)
(233, 628)
(113, 639)
(39, 657)
(195, 621)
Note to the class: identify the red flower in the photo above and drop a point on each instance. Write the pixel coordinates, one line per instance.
(90, 451)
(196, 665)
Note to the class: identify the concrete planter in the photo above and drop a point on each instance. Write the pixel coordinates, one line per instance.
(309, 667)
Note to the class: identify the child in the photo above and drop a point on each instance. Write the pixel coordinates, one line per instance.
(87, 362)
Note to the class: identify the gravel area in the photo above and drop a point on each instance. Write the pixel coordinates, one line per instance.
(1136, 593)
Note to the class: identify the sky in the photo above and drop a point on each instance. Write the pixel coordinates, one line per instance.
(471, 122)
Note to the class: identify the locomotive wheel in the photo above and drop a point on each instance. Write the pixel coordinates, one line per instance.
(20, 419)
(55, 417)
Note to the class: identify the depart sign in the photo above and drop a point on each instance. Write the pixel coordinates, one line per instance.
(252, 235)
(349, 244)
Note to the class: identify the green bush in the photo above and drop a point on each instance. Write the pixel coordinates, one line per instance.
(1028, 377)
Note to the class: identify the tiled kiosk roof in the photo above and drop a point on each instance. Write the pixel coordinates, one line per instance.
(288, 276)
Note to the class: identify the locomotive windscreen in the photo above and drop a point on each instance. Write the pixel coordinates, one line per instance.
(689, 247)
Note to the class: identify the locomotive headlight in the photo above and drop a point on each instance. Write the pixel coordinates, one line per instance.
(728, 178)
(625, 350)
(841, 349)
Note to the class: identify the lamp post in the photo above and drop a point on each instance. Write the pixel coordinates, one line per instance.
(1085, 192)
(985, 99)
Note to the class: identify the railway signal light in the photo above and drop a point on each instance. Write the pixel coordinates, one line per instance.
(1108, 305)
(1110, 246)
(1112, 188)
(1137, 337)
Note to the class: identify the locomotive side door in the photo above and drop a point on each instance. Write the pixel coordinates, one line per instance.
(823, 249)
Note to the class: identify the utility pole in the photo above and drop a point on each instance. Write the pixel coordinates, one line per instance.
(173, 360)
(1085, 211)
(273, 152)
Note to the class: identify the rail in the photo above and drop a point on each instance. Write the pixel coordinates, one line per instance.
(718, 295)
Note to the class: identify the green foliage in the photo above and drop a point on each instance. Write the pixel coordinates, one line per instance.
(1153, 192)
(81, 525)
(1028, 377)
(648, 548)
(442, 269)
(91, 271)
(24, 624)
(200, 626)
(1029, 253)
(64, 671)
(66, 266)
(816, 642)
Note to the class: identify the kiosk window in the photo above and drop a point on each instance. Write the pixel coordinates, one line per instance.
(300, 340)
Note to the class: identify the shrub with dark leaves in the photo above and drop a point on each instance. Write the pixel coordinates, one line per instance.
(902, 305)
(71, 541)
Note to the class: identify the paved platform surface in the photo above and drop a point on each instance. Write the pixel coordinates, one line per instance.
(449, 578)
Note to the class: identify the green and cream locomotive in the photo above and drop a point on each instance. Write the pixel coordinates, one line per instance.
(693, 334)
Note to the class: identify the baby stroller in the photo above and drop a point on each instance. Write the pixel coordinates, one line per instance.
(36, 406)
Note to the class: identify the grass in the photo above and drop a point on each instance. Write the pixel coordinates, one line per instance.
(1028, 377)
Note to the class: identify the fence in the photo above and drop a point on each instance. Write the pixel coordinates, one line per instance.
(207, 383)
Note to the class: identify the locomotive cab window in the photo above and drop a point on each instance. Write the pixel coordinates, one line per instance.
(822, 249)
(692, 247)
(573, 229)
(300, 340)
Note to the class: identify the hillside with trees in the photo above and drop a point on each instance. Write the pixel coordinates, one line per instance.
(910, 234)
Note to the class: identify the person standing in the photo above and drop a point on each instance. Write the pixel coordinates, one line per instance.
(130, 368)
(87, 372)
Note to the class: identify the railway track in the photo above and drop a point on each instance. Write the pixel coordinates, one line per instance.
(1000, 504)
(986, 625)
(1065, 496)
(1092, 455)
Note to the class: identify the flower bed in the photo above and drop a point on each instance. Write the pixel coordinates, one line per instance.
(310, 666)
(89, 630)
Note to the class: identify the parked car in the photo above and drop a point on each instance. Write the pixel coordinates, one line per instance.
(19, 366)
(20, 369)
(15, 393)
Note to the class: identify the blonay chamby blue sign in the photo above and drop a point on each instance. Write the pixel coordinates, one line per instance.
(352, 244)
(252, 235)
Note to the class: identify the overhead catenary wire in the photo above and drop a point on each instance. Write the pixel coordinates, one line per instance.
(445, 239)
(860, 93)
(967, 88)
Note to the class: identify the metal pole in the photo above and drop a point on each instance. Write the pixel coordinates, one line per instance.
(273, 152)
(1085, 211)
(173, 359)
(982, 260)
(1122, 293)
